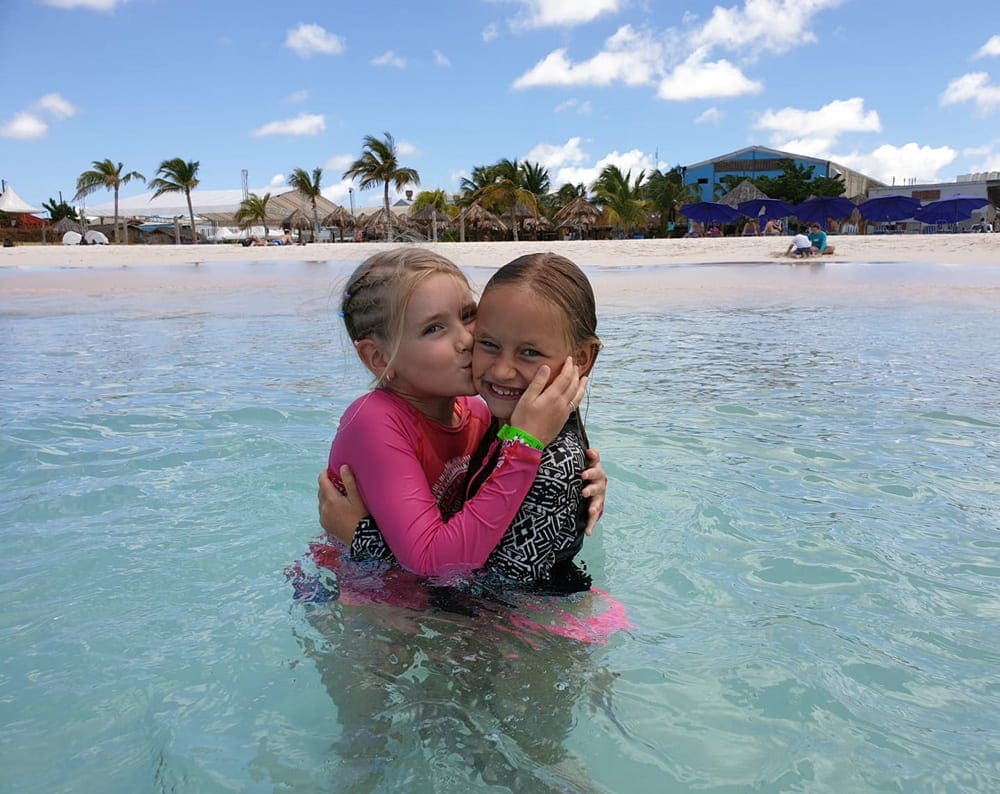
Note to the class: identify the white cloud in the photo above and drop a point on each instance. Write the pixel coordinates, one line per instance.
(825, 125)
(562, 13)
(297, 97)
(774, 25)
(389, 58)
(815, 146)
(681, 60)
(93, 5)
(490, 32)
(974, 87)
(696, 79)
(554, 156)
(984, 158)
(628, 57)
(583, 108)
(710, 116)
(24, 126)
(340, 193)
(405, 148)
(278, 180)
(56, 106)
(441, 59)
(303, 124)
(910, 161)
(633, 160)
(307, 40)
(339, 162)
(28, 124)
(990, 48)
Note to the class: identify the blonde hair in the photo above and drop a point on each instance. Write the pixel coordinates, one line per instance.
(378, 291)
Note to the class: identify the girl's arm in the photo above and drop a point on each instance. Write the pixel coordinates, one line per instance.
(393, 484)
(340, 513)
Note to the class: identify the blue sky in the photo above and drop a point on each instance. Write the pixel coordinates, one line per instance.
(885, 87)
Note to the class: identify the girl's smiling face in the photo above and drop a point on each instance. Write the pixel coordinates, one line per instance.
(516, 332)
(433, 359)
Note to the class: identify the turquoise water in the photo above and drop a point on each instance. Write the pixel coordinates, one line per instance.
(802, 524)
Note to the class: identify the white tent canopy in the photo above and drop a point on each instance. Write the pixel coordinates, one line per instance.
(11, 202)
(170, 205)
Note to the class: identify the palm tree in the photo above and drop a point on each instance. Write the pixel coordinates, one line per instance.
(535, 177)
(620, 196)
(253, 209)
(308, 186)
(507, 194)
(472, 186)
(178, 176)
(106, 174)
(434, 202)
(59, 210)
(666, 193)
(379, 165)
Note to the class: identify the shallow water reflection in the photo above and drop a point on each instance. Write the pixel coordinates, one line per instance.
(801, 524)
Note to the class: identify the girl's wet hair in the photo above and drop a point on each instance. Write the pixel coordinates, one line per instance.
(559, 281)
(375, 297)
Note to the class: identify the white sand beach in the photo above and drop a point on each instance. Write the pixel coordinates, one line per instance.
(626, 273)
(958, 249)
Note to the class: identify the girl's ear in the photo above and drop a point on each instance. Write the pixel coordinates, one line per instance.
(585, 357)
(373, 358)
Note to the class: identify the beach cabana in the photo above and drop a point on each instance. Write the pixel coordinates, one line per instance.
(377, 224)
(480, 218)
(744, 191)
(340, 218)
(433, 216)
(579, 214)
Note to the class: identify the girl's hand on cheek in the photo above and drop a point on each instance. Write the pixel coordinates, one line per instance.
(542, 411)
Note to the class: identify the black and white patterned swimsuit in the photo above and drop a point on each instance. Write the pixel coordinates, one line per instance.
(547, 531)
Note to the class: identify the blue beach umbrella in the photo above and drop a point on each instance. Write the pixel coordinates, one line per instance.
(889, 208)
(950, 210)
(764, 209)
(819, 208)
(710, 212)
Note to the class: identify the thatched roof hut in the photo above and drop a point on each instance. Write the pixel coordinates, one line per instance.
(341, 217)
(480, 217)
(744, 191)
(63, 225)
(579, 214)
(430, 216)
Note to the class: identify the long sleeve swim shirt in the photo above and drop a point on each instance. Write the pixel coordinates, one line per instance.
(410, 471)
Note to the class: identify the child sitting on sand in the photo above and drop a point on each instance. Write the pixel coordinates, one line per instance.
(801, 246)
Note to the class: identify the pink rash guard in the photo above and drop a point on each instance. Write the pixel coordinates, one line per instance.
(410, 472)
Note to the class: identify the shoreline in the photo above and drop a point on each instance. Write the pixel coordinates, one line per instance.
(943, 249)
(627, 275)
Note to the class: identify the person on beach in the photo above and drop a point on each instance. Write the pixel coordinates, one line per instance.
(410, 314)
(801, 246)
(817, 240)
(537, 310)
(772, 228)
(750, 229)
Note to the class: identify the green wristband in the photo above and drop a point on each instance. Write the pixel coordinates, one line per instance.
(509, 433)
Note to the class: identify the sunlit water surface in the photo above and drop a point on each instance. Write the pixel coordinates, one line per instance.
(802, 525)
